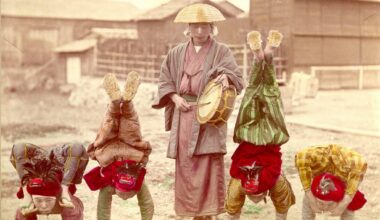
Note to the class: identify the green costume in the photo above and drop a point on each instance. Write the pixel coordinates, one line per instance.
(260, 120)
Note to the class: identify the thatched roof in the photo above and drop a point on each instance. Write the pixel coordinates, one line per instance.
(76, 46)
(116, 33)
(173, 7)
(105, 10)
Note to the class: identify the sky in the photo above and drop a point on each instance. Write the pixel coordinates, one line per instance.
(147, 4)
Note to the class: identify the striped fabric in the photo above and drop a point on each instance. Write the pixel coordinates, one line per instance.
(260, 120)
(235, 197)
(282, 195)
(347, 164)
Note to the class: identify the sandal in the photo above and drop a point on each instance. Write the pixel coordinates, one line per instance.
(131, 85)
(111, 86)
(274, 38)
(254, 40)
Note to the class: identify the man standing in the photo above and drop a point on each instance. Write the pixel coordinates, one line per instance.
(198, 149)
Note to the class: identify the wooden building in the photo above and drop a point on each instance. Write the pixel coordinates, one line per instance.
(74, 60)
(156, 27)
(31, 30)
(339, 38)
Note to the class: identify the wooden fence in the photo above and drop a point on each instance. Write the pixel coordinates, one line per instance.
(149, 65)
(341, 77)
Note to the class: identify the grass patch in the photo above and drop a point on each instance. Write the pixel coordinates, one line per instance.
(252, 209)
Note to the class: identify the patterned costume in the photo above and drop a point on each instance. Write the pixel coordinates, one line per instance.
(119, 149)
(260, 131)
(119, 136)
(333, 164)
(107, 179)
(70, 163)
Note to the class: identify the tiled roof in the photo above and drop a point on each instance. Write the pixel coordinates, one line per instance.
(74, 9)
(76, 46)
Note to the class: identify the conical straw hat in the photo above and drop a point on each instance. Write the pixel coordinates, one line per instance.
(198, 13)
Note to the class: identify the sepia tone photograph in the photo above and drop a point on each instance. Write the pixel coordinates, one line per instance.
(190, 109)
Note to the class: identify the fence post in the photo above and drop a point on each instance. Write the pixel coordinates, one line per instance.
(360, 78)
(313, 70)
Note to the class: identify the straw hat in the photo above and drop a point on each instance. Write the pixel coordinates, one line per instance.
(199, 13)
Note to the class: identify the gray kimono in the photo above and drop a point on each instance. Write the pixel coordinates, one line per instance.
(205, 139)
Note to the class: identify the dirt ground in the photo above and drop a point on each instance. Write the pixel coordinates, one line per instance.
(45, 118)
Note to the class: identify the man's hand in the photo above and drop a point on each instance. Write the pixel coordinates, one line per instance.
(342, 206)
(223, 79)
(312, 201)
(180, 103)
(26, 205)
(26, 210)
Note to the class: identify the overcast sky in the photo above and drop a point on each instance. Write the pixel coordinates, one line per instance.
(147, 4)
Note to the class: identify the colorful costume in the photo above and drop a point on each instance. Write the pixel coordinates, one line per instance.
(198, 149)
(109, 178)
(119, 136)
(333, 164)
(119, 145)
(260, 131)
(70, 162)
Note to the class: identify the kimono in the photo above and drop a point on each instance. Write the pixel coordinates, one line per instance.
(198, 149)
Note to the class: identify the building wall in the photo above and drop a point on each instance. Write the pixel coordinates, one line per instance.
(86, 61)
(158, 34)
(323, 33)
(233, 30)
(268, 15)
(35, 38)
(30, 41)
(271, 14)
(336, 33)
(60, 64)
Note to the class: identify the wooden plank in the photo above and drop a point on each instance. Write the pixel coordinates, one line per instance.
(307, 17)
(370, 51)
(331, 17)
(307, 50)
(351, 18)
(340, 51)
(126, 62)
(370, 19)
(371, 79)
